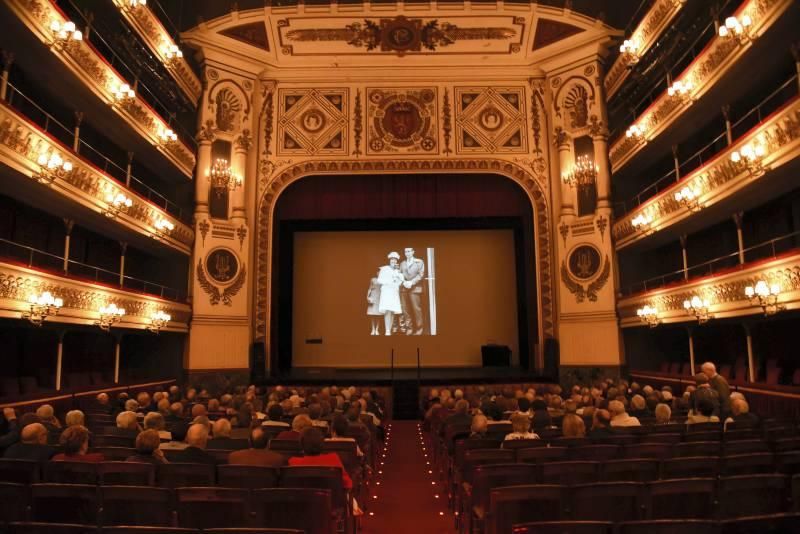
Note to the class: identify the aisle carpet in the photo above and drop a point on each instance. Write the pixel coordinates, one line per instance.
(406, 496)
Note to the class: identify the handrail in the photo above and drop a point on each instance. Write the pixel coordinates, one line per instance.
(40, 259)
(709, 267)
(654, 188)
(97, 42)
(656, 90)
(114, 171)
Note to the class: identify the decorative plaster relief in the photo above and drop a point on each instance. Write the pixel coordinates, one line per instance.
(402, 121)
(312, 121)
(490, 119)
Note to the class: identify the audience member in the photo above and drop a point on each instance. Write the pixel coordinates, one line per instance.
(222, 436)
(479, 427)
(600, 425)
(47, 418)
(521, 426)
(32, 445)
(75, 443)
(704, 413)
(274, 416)
(741, 415)
(703, 391)
(299, 423)
(148, 449)
(619, 417)
(74, 418)
(663, 414)
(311, 441)
(258, 454)
(178, 442)
(573, 426)
(718, 383)
(197, 440)
(155, 421)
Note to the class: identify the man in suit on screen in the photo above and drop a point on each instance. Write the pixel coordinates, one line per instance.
(413, 270)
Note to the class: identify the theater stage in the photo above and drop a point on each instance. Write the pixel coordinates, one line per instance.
(426, 375)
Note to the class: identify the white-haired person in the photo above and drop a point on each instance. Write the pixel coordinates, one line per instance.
(740, 414)
(663, 414)
(521, 428)
(389, 279)
(619, 417)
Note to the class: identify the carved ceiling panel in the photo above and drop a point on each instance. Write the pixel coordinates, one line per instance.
(490, 120)
(312, 121)
(402, 121)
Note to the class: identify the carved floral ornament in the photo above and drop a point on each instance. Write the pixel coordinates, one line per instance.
(784, 130)
(510, 170)
(23, 139)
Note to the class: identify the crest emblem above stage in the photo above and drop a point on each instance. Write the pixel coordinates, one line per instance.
(402, 121)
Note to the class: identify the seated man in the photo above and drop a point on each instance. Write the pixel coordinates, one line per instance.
(178, 441)
(127, 425)
(663, 414)
(74, 418)
(703, 414)
(155, 421)
(274, 415)
(704, 391)
(32, 445)
(339, 429)
(601, 424)
(299, 423)
(258, 454)
(48, 418)
(222, 436)
(102, 404)
(195, 453)
(478, 427)
(740, 414)
(619, 417)
(175, 415)
(75, 441)
(147, 449)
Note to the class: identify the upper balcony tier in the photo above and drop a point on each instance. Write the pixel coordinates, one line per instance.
(83, 299)
(78, 74)
(729, 182)
(160, 42)
(723, 291)
(643, 37)
(42, 171)
(713, 78)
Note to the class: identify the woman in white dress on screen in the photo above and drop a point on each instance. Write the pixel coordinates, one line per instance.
(389, 279)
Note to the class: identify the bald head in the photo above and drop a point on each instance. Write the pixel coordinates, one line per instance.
(197, 436)
(34, 434)
(222, 428)
(708, 369)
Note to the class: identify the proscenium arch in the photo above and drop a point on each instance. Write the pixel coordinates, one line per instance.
(542, 235)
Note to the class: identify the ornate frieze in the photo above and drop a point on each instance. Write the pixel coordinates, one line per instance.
(25, 140)
(713, 181)
(490, 120)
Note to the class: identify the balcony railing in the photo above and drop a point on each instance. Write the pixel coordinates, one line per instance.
(40, 259)
(767, 250)
(701, 75)
(755, 116)
(35, 113)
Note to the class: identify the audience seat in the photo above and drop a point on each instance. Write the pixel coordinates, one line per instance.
(629, 470)
(247, 476)
(323, 478)
(147, 530)
(289, 508)
(564, 527)
(608, 501)
(20, 471)
(115, 454)
(212, 507)
(103, 440)
(747, 464)
(513, 505)
(788, 463)
(686, 498)
(753, 495)
(567, 473)
(597, 453)
(670, 526)
(184, 475)
(135, 505)
(14, 502)
(487, 477)
(514, 444)
(252, 531)
(694, 466)
(64, 503)
(744, 446)
(539, 455)
(70, 472)
(669, 428)
(697, 448)
(126, 473)
(762, 524)
(649, 450)
(49, 528)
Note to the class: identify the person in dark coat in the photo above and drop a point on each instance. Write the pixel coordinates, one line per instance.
(32, 445)
(720, 385)
(258, 454)
(195, 453)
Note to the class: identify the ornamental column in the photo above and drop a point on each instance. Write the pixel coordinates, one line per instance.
(241, 147)
(568, 195)
(603, 182)
(201, 184)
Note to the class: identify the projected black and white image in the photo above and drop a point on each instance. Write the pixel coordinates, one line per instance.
(401, 295)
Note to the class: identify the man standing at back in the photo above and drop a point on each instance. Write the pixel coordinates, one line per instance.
(720, 385)
(413, 270)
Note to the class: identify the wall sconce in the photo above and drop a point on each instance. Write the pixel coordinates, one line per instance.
(158, 320)
(117, 204)
(109, 315)
(680, 89)
(171, 52)
(130, 5)
(41, 307)
(737, 28)
(167, 136)
(642, 222)
(163, 228)
(635, 131)
(766, 296)
(699, 308)
(687, 196)
(65, 34)
(584, 172)
(51, 166)
(751, 156)
(630, 51)
(648, 315)
(222, 178)
(122, 93)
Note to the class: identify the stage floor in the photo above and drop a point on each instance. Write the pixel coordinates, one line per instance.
(429, 375)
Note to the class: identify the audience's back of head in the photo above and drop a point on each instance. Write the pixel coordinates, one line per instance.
(573, 426)
(197, 436)
(311, 441)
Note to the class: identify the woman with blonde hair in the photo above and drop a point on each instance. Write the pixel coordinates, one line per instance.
(521, 426)
(573, 426)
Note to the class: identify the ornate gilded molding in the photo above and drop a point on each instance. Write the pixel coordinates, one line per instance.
(24, 139)
(447, 125)
(215, 294)
(544, 247)
(714, 179)
(358, 126)
(592, 288)
(702, 74)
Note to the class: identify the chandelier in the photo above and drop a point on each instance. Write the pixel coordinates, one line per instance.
(680, 89)
(166, 136)
(109, 315)
(766, 296)
(171, 52)
(222, 178)
(65, 34)
(158, 320)
(737, 28)
(687, 196)
(642, 221)
(163, 228)
(584, 172)
(751, 156)
(123, 93)
(117, 204)
(630, 51)
(648, 315)
(51, 166)
(636, 132)
(699, 308)
(41, 307)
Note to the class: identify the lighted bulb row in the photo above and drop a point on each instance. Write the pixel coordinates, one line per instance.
(66, 31)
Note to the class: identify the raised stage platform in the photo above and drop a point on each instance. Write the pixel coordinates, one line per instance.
(426, 375)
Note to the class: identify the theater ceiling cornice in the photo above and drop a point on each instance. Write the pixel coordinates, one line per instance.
(496, 37)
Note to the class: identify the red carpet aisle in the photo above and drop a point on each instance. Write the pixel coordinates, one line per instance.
(406, 492)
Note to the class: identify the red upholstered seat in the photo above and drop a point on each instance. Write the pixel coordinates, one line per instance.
(212, 507)
(687, 498)
(135, 505)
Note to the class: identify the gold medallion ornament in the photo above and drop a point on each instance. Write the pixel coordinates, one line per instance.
(585, 265)
(223, 267)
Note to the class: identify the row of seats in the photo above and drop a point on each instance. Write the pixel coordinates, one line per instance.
(312, 510)
(762, 524)
(500, 508)
(33, 527)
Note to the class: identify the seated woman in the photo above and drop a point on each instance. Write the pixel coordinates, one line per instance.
(573, 426)
(521, 425)
(706, 413)
(75, 441)
(311, 441)
(147, 449)
(339, 427)
(479, 427)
